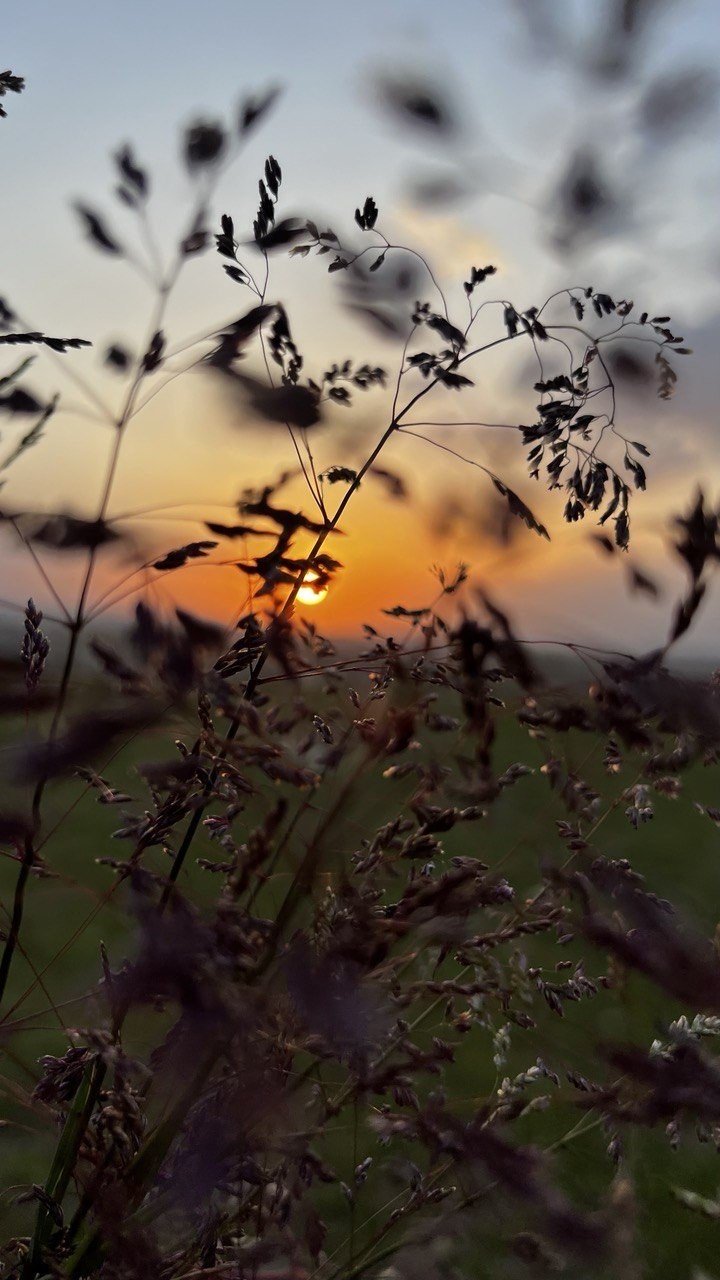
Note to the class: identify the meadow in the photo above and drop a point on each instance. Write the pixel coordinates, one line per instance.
(70, 916)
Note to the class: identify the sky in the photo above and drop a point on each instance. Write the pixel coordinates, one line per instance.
(533, 89)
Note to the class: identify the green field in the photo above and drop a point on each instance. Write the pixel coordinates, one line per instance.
(67, 917)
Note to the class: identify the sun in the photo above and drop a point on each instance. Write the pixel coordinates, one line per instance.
(308, 594)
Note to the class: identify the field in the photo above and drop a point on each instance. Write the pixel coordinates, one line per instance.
(677, 852)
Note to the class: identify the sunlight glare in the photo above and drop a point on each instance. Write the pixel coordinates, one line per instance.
(308, 594)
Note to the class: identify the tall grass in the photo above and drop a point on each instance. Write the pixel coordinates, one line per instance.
(336, 1044)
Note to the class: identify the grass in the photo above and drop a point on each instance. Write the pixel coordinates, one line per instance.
(68, 917)
(185, 1132)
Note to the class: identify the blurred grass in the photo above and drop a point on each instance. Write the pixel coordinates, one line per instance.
(67, 917)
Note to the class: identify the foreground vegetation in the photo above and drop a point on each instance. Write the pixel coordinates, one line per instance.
(335, 963)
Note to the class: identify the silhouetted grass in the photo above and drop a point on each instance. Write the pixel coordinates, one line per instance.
(315, 963)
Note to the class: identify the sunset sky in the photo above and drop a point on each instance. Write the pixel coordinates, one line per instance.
(530, 93)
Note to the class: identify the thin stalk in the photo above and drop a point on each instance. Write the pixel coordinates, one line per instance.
(322, 537)
(17, 914)
(77, 626)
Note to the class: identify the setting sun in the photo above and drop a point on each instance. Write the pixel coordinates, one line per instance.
(308, 594)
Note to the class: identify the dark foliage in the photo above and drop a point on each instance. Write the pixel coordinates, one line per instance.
(264, 1084)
